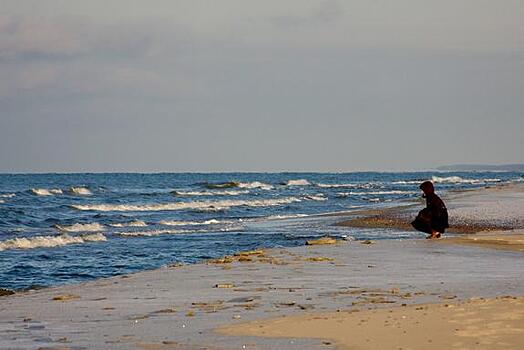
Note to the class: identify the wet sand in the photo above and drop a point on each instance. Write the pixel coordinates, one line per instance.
(180, 307)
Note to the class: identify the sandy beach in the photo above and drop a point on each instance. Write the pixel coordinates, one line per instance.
(456, 292)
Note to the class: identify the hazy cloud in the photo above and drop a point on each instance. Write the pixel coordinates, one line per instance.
(324, 12)
(67, 37)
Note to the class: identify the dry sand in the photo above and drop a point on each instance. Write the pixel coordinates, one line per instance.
(477, 324)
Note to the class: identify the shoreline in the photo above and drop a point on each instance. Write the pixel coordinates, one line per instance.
(181, 306)
(458, 202)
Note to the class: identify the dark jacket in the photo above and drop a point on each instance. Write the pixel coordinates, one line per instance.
(432, 218)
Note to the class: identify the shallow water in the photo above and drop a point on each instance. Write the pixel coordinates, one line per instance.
(65, 228)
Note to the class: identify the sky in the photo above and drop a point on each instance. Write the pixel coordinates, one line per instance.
(273, 85)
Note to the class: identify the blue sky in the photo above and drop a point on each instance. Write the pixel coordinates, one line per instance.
(259, 85)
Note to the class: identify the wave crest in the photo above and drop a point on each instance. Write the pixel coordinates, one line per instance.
(136, 223)
(49, 241)
(80, 191)
(209, 193)
(204, 205)
(298, 182)
(93, 227)
(45, 191)
(189, 223)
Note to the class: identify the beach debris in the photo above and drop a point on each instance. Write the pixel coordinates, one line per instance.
(245, 259)
(4, 292)
(209, 307)
(224, 285)
(319, 259)
(237, 317)
(66, 297)
(321, 241)
(367, 241)
(250, 253)
(243, 299)
(306, 306)
(448, 296)
(164, 311)
(190, 314)
(224, 260)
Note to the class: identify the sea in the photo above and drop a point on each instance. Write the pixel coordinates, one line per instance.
(68, 228)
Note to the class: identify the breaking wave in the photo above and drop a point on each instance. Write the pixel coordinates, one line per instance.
(80, 191)
(189, 223)
(232, 184)
(204, 205)
(376, 193)
(255, 184)
(2, 201)
(49, 241)
(81, 227)
(7, 195)
(299, 182)
(209, 193)
(46, 192)
(178, 232)
(447, 180)
(282, 217)
(136, 223)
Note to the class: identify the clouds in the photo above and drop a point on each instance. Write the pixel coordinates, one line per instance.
(258, 85)
(320, 13)
(67, 37)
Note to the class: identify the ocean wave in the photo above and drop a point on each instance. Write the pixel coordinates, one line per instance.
(223, 204)
(49, 241)
(338, 185)
(255, 184)
(45, 191)
(209, 193)
(298, 182)
(152, 233)
(2, 201)
(80, 191)
(232, 184)
(93, 227)
(448, 180)
(136, 223)
(318, 197)
(7, 195)
(376, 193)
(189, 223)
(282, 217)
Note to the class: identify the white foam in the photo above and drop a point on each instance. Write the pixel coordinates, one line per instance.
(7, 195)
(204, 205)
(155, 233)
(189, 223)
(282, 217)
(93, 227)
(80, 191)
(375, 193)
(448, 180)
(255, 184)
(338, 185)
(136, 223)
(49, 241)
(46, 192)
(2, 201)
(209, 193)
(298, 182)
